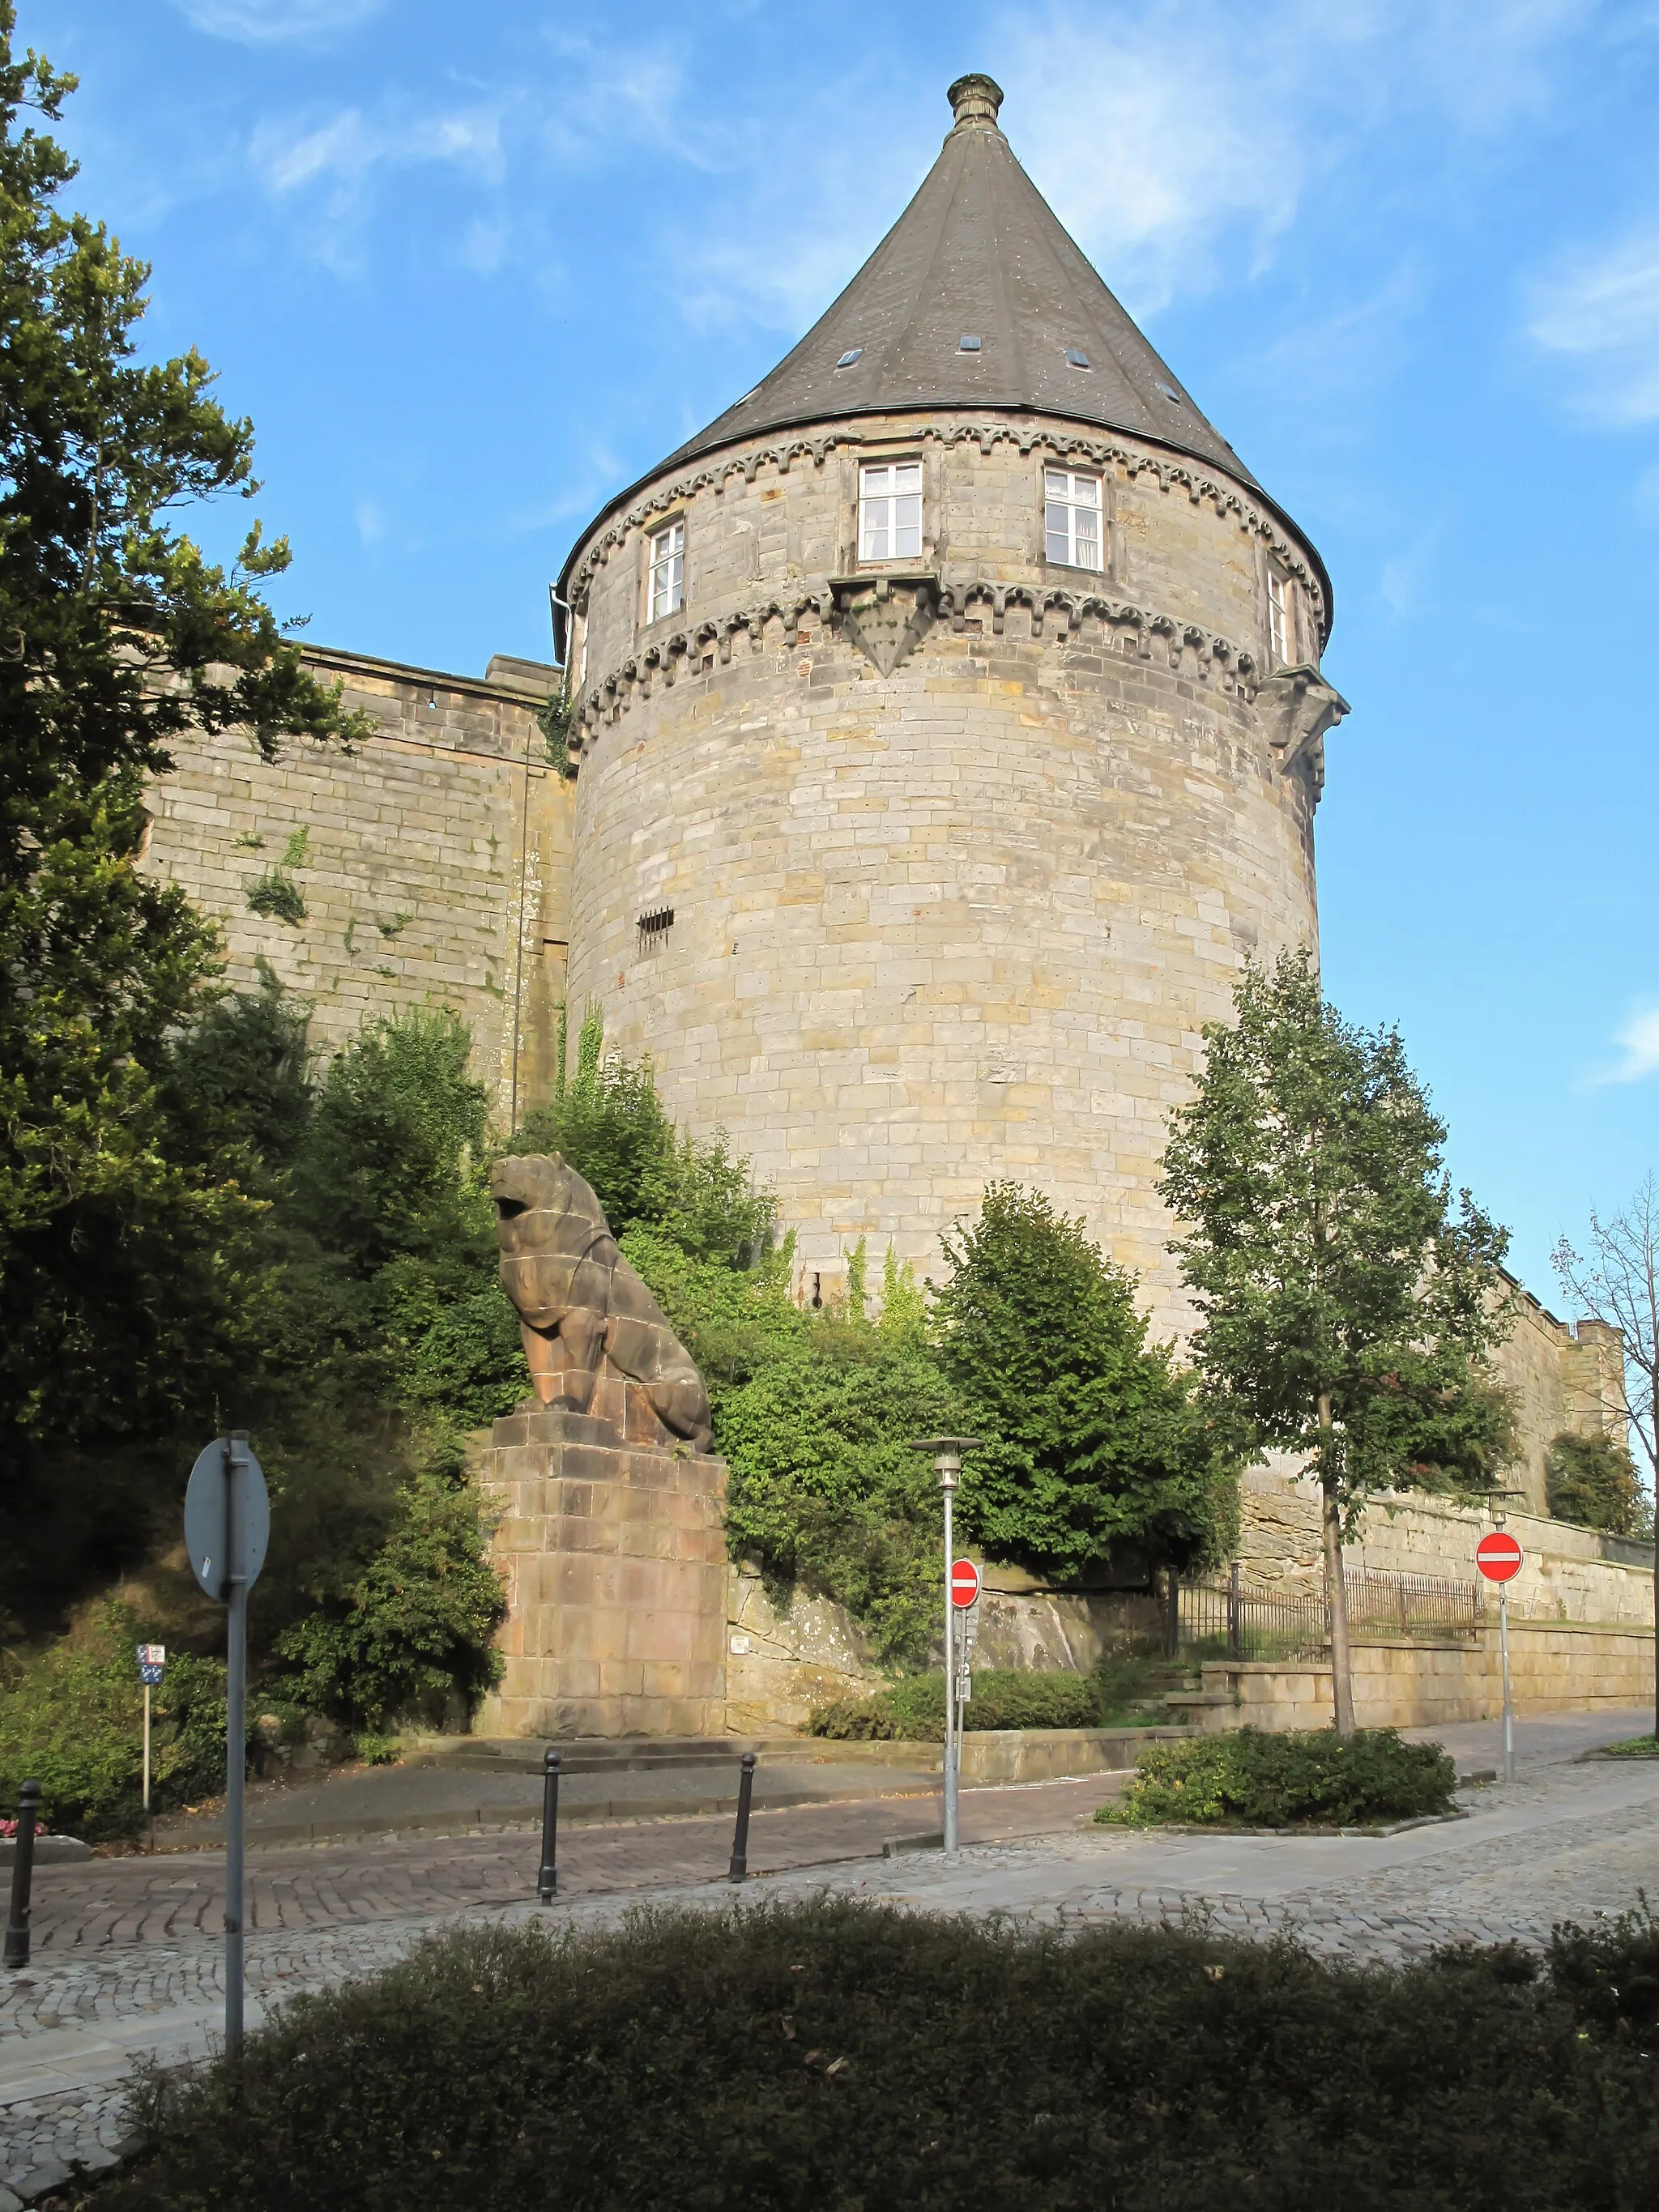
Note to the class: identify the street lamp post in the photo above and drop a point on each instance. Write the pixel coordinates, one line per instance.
(947, 1453)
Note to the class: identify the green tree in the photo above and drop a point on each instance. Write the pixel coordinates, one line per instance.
(1094, 1442)
(1592, 1480)
(119, 637)
(1345, 1311)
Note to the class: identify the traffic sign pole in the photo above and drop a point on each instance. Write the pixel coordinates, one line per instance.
(147, 1750)
(227, 1528)
(235, 1749)
(1498, 1557)
(950, 1761)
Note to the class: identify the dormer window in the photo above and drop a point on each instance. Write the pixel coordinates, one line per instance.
(1279, 618)
(890, 512)
(1071, 517)
(666, 585)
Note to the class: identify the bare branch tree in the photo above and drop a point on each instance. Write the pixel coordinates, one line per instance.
(1617, 1281)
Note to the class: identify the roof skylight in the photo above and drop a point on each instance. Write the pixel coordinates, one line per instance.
(849, 356)
(1078, 358)
(1168, 391)
(968, 345)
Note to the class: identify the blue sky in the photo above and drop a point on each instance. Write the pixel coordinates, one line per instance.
(471, 270)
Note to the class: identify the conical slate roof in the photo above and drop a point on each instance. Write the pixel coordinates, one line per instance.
(979, 253)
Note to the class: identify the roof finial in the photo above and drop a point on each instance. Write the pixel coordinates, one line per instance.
(974, 100)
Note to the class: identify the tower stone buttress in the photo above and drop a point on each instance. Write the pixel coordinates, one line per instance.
(950, 732)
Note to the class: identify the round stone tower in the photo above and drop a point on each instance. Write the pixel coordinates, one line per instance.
(950, 723)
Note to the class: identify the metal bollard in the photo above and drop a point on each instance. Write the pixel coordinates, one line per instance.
(740, 1841)
(548, 1880)
(22, 1875)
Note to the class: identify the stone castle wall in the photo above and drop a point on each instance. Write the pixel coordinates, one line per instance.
(434, 860)
(1570, 1574)
(961, 920)
(1562, 1377)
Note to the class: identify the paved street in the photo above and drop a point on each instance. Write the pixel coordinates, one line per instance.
(127, 1955)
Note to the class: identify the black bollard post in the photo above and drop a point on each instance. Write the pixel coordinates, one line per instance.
(22, 1875)
(740, 1841)
(548, 1879)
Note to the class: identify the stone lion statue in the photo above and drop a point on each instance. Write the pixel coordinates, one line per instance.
(582, 1308)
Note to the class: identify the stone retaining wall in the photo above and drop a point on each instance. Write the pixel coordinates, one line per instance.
(1569, 1573)
(1555, 1667)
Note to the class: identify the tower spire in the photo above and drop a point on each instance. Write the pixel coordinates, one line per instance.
(974, 101)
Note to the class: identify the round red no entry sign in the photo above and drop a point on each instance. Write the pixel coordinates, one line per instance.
(1498, 1556)
(964, 1583)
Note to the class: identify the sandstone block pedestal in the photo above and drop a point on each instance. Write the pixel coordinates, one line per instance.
(614, 1552)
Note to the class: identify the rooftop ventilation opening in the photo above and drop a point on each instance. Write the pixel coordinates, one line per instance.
(849, 356)
(968, 345)
(1169, 391)
(1078, 358)
(747, 397)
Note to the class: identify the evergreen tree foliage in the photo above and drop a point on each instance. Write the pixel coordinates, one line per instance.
(119, 1269)
(1094, 1442)
(1592, 1480)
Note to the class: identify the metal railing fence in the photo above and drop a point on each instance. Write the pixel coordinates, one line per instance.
(1232, 1619)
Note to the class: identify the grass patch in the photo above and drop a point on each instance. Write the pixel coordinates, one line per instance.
(840, 2054)
(1304, 1778)
(1633, 1746)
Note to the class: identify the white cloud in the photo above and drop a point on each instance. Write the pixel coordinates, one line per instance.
(263, 23)
(1639, 1042)
(1602, 312)
(1177, 136)
(350, 144)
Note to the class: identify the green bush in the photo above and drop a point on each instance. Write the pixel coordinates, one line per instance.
(841, 2054)
(71, 1718)
(1247, 1778)
(1004, 1698)
(277, 897)
(418, 1626)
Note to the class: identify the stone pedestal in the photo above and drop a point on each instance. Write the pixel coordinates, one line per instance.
(614, 1552)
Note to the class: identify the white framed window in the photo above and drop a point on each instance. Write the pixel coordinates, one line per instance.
(1071, 518)
(665, 582)
(1278, 618)
(890, 512)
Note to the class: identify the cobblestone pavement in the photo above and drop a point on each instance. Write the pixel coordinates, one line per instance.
(127, 1967)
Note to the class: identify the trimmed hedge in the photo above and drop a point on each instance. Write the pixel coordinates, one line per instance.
(1308, 1777)
(840, 2055)
(1004, 1698)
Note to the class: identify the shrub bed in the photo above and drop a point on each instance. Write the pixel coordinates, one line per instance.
(1309, 1777)
(841, 2054)
(71, 1719)
(1004, 1698)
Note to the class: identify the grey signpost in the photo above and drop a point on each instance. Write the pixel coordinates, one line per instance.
(226, 1530)
(947, 1453)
